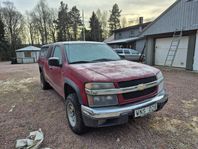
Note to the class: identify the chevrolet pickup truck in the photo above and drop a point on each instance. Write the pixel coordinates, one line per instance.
(99, 88)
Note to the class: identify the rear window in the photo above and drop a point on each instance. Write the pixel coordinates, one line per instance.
(44, 51)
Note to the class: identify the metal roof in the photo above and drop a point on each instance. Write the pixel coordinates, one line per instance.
(143, 25)
(28, 48)
(127, 40)
(182, 15)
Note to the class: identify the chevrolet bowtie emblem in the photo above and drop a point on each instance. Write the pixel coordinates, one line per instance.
(141, 87)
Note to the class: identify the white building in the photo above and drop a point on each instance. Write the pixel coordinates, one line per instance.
(28, 54)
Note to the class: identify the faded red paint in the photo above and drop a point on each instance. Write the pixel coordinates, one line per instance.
(113, 71)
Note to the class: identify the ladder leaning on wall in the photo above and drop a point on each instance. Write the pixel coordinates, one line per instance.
(177, 36)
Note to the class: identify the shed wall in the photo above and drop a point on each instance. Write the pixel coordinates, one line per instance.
(140, 44)
(22, 59)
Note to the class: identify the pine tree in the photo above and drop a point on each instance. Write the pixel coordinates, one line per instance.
(114, 20)
(74, 15)
(4, 47)
(87, 34)
(63, 22)
(2, 31)
(96, 31)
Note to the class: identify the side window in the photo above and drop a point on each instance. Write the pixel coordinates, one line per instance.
(127, 52)
(134, 52)
(119, 51)
(57, 53)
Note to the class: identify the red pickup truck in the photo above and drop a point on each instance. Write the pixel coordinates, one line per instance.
(99, 88)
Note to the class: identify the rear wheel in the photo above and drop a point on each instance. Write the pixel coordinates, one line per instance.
(74, 116)
(44, 84)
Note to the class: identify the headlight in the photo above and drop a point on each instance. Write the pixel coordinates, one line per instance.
(161, 85)
(101, 101)
(99, 85)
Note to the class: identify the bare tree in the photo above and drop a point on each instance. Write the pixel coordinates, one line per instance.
(103, 19)
(40, 16)
(30, 26)
(124, 22)
(52, 24)
(41, 20)
(13, 20)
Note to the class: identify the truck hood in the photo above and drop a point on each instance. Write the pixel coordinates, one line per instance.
(114, 71)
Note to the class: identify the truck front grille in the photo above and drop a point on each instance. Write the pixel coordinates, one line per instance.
(139, 95)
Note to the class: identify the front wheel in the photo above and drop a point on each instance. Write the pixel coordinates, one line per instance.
(74, 115)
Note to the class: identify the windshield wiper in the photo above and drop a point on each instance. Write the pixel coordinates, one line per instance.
(104, 60)
(79, 62)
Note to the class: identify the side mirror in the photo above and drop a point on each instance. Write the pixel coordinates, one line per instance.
(54, 61)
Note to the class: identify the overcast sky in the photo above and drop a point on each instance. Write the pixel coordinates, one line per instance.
(131, 9)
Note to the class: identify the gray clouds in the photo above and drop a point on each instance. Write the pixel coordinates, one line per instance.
(130, 8)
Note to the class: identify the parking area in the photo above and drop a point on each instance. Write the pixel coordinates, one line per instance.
(24, 107)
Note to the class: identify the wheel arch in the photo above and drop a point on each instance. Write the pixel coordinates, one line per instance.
(40, 69)
(71, 87)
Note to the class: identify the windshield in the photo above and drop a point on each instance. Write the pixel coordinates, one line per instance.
(90, 52)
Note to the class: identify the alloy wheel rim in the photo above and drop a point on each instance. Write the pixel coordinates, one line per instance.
(71, 114)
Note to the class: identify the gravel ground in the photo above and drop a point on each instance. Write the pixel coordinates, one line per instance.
(24, 107)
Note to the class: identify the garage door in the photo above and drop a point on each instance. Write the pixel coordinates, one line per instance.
(161, 50)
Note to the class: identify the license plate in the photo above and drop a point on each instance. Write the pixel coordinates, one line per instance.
(144, 111)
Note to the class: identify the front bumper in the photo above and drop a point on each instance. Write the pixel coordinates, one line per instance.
(115, 115)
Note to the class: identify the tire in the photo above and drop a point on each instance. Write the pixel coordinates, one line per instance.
(44, 84)
(74, 115)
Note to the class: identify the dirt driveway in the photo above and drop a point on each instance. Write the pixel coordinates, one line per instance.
(24, 107)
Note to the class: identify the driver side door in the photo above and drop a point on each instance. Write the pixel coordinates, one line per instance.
(56, 71)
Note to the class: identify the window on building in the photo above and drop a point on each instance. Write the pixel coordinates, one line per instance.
(132, 33)
(27, 54)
